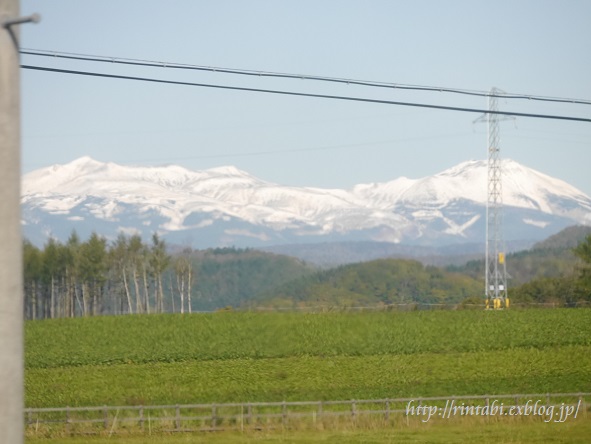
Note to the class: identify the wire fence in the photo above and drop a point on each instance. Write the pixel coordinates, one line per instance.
(556, 407)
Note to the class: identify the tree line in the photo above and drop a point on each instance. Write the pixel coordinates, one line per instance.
(572, 287)
(128, 275)
(380, 281)
(96, 277)
(556, 270)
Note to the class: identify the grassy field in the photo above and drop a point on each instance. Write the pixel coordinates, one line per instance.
(556, 369)
(227, 357)
(231, 335)
(518, 432)
(241, 357)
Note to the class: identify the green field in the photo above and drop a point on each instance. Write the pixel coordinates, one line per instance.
(224, 357)
(244, 356)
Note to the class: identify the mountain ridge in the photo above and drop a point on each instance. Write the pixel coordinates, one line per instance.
(227, 206)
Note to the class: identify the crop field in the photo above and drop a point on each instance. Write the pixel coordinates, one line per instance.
(248, 357)
(239, 357)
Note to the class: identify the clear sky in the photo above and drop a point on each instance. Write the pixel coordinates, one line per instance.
(537, 47)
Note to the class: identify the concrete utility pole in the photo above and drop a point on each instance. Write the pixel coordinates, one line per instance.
(11, 280)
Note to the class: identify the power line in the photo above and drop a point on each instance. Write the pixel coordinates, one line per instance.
(246, 72)
(299, 94)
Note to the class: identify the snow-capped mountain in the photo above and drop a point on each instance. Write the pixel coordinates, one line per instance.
(227, 206)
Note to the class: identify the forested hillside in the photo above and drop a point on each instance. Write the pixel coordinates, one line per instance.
(235, 277)
(572, 246)
(383, 281)
(128, 275)
(553, 271)
(551, 258)
(94, 277)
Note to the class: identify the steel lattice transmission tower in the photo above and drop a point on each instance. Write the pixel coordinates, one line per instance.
(495, 268)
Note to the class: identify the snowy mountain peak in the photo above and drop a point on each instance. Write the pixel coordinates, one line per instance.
(226, 205)
(83, 162)
(88, 176)
(228, 171)
(464, 168)
(522, 187)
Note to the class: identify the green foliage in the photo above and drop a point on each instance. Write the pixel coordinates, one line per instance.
(93, 255)
(521, 370)
(583, 251)
(574, 284)
(553, 271)
(384, 281)
(231, 335)
(567, 239)
(129, 276)
(561, 291)
(552, 258)
(232, 277)
(242, 356)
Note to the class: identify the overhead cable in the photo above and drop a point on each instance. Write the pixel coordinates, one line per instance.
(300, 94)
(246, 72)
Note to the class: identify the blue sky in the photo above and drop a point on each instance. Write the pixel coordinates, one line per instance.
(536, 47)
